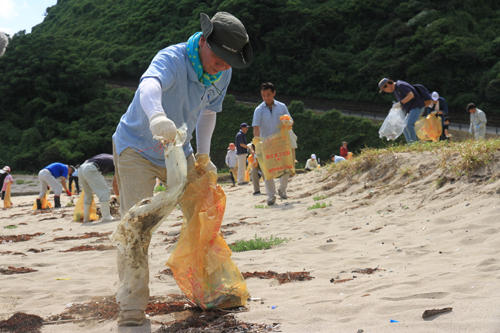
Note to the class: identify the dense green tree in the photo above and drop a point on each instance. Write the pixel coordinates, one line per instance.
(56, 103)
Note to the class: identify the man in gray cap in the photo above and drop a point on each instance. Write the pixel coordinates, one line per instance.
(185, 84)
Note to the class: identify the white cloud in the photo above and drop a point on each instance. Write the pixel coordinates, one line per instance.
(7, 11)
(8, 31)
(25, 5)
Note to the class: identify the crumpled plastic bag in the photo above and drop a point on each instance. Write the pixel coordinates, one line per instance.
(78, 213)
(201, 261)
(429, 128)
(394, 124)
(133, 234)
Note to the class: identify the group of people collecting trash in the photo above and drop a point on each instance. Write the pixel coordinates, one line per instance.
(416, 101)
(182, 90)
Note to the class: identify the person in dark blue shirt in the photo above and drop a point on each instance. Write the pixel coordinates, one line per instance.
(241, 153)
(440, 109)
(410, 101)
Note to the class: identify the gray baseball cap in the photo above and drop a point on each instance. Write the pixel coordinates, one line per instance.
(227, 37)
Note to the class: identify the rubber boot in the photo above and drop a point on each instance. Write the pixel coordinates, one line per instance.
(38, 204)
(57, 201)
(86, 213)
(106, 215)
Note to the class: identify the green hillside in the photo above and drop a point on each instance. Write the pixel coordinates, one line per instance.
(55, 104)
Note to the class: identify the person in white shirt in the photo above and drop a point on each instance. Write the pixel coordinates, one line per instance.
(266, 121)
(477, 122)
(311, 164)
(231, 160)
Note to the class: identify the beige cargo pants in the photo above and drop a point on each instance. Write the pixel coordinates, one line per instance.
(136, 178)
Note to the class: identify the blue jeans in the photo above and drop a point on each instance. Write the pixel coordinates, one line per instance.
(411, 118)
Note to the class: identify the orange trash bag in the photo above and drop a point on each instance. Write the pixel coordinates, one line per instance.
(201, 262)
(45, 202)
(6, 202)
(78, 213)
(274, 154)
(428, 128)
(252, 162)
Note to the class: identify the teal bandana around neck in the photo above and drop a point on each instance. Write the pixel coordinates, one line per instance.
(194, 56)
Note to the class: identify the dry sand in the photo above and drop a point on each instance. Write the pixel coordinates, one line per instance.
(435, 248)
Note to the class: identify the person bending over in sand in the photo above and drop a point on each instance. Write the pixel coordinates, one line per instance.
(185, 84)
(92, 177)
(48, 177)
(410, 101)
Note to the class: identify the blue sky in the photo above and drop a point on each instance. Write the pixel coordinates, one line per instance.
(16, 15)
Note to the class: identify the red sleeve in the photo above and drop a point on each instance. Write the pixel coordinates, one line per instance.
(343, 152)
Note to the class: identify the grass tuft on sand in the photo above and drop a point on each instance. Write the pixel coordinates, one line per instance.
(456, 158)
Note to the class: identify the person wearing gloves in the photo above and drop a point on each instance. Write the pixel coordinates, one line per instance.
(311, 164)
(231, 160)
(477, 121)
(92, 177)
(48, 177)
(409, 100)
(185, 84)
(241, 153)
(266, 121)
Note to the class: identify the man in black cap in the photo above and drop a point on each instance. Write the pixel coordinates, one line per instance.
(185, 84)
(241, 153)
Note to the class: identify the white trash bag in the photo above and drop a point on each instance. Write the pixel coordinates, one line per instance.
(394, 123)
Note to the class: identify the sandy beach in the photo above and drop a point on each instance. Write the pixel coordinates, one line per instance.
(435, 245)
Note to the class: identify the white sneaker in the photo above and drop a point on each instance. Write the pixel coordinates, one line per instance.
(282, 194)
(271, 201)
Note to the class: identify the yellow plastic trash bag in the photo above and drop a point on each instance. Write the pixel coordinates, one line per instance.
(78, 213)
(428, 128)
(45, 202)
(274, 154)
(6, 201)
(252, 162)
(201, 262)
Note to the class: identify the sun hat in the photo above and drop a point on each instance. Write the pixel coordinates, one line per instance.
(227, 37)
(313, 156)
(231, 145)
(6, 168)
(382, 83)
(435, 96)
(244, 125)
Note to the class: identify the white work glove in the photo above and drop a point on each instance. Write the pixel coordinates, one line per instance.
(433, 112)
(162, 127)
(287, 122)
(396, 105)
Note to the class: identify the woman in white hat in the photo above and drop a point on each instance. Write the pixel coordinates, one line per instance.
(311, 164)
